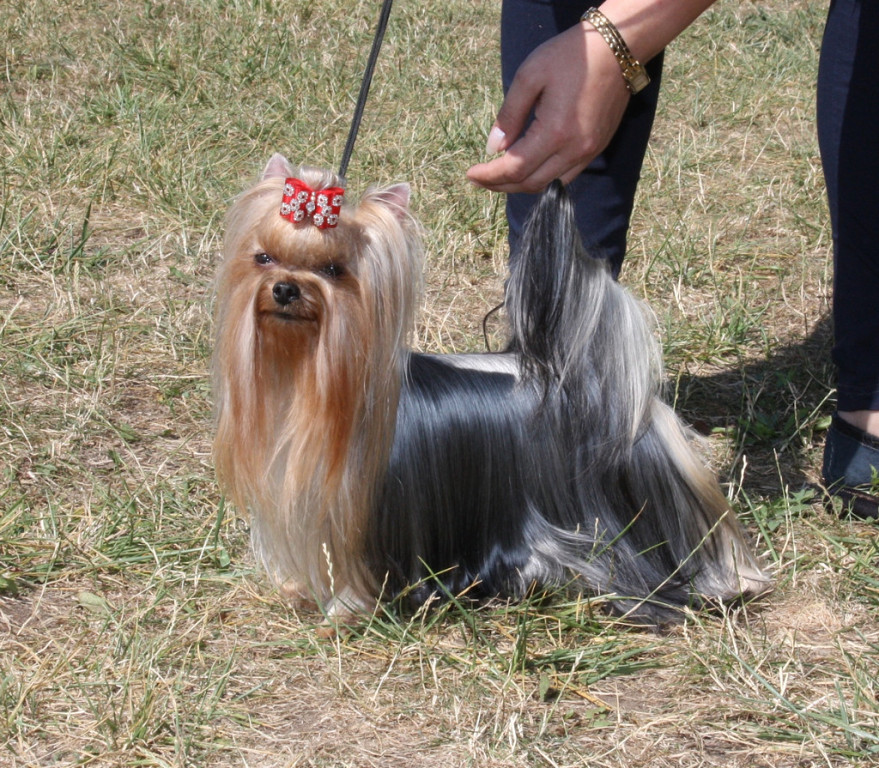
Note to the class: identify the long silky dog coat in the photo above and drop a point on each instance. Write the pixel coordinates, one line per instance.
(371, 469)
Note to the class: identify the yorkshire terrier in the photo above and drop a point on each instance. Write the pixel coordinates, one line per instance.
(372, 471)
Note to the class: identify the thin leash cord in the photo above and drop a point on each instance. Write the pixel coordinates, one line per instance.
(364, 85)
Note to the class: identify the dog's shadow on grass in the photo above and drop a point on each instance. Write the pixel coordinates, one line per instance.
(775, 411)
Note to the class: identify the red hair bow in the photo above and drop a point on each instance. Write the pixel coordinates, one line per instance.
(301, 202)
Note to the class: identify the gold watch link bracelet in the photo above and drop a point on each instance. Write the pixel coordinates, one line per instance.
(634, 74)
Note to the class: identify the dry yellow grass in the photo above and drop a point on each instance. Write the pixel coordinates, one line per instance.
(134, 628)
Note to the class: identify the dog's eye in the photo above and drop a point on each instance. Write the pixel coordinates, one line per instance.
(263, 258)
(332, 270)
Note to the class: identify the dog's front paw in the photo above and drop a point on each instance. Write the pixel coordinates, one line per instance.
(297, 596)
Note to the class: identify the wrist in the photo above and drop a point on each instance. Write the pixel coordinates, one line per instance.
(633, 73)
(648, 26)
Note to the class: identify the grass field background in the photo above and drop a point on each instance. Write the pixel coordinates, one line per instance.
(135, 629)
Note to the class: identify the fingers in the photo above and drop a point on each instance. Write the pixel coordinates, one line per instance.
(527, 166)
(524, 93)
(496, 141)
(491, 176)
(551, 148)
(578, 98)
(526, 154)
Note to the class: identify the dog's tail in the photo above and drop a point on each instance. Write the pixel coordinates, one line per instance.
(589, 347)
(575, 329)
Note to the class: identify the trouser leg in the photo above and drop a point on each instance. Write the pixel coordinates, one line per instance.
(848, 134)
(604, 193)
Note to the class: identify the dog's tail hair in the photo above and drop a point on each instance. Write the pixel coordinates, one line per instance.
(589, 346)
(576, 329)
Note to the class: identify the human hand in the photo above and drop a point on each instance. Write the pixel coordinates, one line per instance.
(575, 87)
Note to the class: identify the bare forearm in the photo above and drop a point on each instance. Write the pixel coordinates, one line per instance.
(648, 26)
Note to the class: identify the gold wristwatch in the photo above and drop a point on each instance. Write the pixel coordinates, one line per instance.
(634, 74)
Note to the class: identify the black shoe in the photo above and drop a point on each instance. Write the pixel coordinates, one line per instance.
(851, 469)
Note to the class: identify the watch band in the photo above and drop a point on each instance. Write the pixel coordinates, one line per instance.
(634, 74)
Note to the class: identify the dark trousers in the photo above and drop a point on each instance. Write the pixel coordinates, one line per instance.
(605, 192)
(848, 134)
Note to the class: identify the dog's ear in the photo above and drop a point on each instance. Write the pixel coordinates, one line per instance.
(395, 197)
(278, 166)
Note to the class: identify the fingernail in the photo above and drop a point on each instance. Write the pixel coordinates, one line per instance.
(495, 137)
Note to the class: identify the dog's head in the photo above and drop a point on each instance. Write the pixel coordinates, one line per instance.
(304, 285)
(311, 319)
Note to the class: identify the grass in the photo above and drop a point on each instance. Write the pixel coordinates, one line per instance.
(134, 627)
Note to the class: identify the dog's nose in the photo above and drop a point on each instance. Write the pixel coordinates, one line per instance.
(286, 293)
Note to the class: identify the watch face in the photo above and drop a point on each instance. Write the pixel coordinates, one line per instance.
(639, 80)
